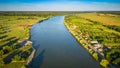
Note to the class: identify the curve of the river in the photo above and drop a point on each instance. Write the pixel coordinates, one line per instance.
(57, 48)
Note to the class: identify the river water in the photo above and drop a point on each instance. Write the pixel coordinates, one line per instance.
(57, 48)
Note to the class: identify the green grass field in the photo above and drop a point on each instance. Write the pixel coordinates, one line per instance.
(107, 19)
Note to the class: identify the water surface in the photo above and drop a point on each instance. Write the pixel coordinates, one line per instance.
(57, 48)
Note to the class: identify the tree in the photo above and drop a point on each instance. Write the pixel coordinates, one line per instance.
(16, 58)
(7, 49)
(116, 61)
(95, 55)
(1, 53)
(104, 63)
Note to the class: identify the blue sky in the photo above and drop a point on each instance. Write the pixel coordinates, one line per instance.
(59, 5)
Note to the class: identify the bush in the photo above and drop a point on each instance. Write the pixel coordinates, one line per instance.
(90, 51)
(16, 58)
(104, 63)
(7, 49)
(95, 55)
(1, 53)
(116, 61)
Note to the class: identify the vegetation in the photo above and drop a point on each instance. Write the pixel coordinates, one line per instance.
(16, 58)
(14, 31)
(104, 63)
(1, 64)
(98, 26)
(14, 27)
(106, 19)
(95, 56)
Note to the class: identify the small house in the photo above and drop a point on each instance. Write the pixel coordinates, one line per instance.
(96, 44)
(86, 36)
(28, 43)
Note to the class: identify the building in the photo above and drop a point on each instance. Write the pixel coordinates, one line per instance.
(86, 36)
(96, 44)
(28, 43)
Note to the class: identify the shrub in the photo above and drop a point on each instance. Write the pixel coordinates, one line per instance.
(95, 55)
(7, 49)
(16, 58)
(104, 63)
(116, 61)
(1, 53)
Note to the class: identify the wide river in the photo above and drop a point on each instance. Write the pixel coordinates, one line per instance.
(57, 48)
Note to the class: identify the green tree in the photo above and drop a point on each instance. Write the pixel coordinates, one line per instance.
(16, 58)
(116, 61)
(95, 55)
(104, 63)
(7, 48)
(1, 53)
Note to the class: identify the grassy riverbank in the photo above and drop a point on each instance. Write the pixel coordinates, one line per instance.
(86, 28)
(14, 32)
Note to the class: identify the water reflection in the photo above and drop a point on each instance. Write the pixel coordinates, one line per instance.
(38, 60)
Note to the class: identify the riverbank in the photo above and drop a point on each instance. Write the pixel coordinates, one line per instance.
(14, 38)
(81, 42)
(31, 56)
(90, 34)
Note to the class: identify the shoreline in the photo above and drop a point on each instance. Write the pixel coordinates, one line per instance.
(78, 40)
(31, 56)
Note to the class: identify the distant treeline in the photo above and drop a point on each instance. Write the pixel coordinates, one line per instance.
(33, 13)
(110, 12)
(46, 13)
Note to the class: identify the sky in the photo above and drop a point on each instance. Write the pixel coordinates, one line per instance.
(59, 5)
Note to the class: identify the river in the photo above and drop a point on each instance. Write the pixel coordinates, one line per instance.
(57, 48)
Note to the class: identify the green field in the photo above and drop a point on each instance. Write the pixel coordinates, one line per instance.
(107, 19)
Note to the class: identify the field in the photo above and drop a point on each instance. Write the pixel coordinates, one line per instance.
(106, 19)
(104, 28)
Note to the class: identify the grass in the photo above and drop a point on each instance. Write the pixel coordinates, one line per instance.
(106, 19)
